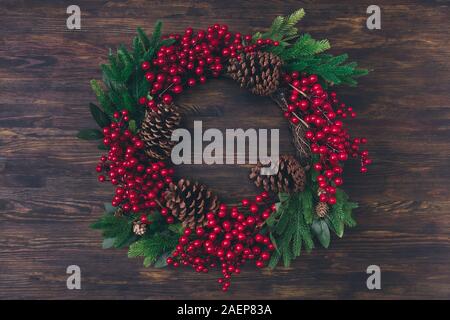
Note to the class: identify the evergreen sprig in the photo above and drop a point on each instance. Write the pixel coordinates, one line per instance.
(154, 247)
(158, 241)
(332, 69)
(283, 28)
(294, 224)
(289, 227)
(304, 54)
(123, 81)
(116, 231)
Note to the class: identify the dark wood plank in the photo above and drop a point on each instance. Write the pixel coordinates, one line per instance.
(49, 194)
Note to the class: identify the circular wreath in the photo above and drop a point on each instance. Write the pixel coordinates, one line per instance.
(180, 222)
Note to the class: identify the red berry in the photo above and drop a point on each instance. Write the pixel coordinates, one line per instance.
(142, 100)
(144, 218)
(149, 76)
(145, 65)
(177, 89)
(265, 255)
(167, 99)
(170, 220)
(313, 78)
(191, 82)
(338, 181)
(331, 200)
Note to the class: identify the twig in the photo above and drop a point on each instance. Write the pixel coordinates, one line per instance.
(300, 91)
(165, 90)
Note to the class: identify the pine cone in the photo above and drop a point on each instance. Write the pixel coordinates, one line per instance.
(156, 131)
(139, 228)
(258, 71)
(321, 209)
(190, 202)
(290, 177)
(118, 213)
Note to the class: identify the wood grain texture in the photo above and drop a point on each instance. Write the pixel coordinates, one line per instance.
(49, 194)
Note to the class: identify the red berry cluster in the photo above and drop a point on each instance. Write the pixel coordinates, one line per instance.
(191, 59)
(323, 113)
(231, 237)
(139, 181)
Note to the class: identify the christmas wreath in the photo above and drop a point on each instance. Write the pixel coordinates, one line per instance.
(180, 222)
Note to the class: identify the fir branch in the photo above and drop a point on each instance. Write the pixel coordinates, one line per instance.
(293, 225)
(304, 47)
(102, 97)
(307, 205)
(143, 39)
(282, 28)
(99, 116)
(289, 27)
(333, 69)
(289, 227)
(89, 134)
(306, 54)
(156, 35)
(118, 228)
(341, 213)
(123, 77)
(154, 247)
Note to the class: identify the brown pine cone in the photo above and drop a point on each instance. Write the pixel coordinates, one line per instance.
(259, 72)
(290, 178)
(139, 228)
(190, 202)
(321, 209)
(118, 213)
(156, 131)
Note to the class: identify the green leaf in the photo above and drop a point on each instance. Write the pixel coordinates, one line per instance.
(161, 262)
(89, 134)
(119, 228)
(322, 232)
(102, 146)
(99, 116)
(108, 243)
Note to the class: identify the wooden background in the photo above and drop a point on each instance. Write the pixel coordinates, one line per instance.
(48, 189)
